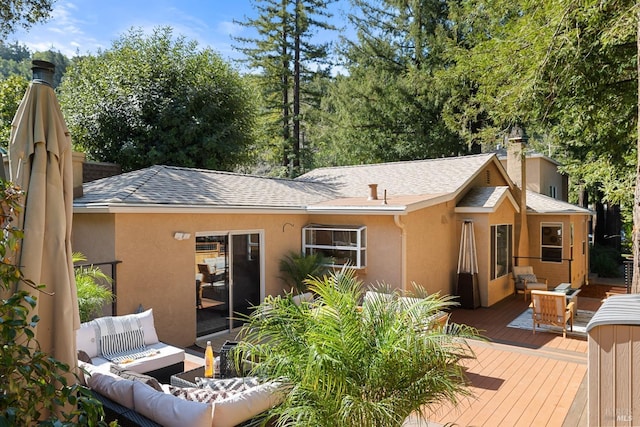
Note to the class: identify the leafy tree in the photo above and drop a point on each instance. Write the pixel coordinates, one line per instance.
(566, 70)
(12, 90)
(347, 364)
(388, 108)
(158, 100)
(14, 60)
(286, 60)
(22, 13)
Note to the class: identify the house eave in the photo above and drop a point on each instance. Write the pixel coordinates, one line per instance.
(357, 210)
(183, 209)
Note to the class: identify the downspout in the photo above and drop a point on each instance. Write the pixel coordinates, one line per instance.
(403, 251)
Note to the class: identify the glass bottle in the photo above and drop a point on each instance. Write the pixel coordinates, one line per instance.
(208, 361)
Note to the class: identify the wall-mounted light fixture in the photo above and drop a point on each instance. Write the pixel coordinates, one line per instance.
(181, 236)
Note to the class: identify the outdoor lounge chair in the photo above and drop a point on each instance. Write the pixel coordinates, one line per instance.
(525, 280)
(551, 308)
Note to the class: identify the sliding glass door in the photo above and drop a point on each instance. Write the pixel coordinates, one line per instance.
(229, 269)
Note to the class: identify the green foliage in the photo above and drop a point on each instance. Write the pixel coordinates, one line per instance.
(34, 388)
(565, 70)
(12, 90)
(297, 267)
(605, 261)
(346, 365)
(22, 13)
(158, 100)
(389, 106)
(92, 295)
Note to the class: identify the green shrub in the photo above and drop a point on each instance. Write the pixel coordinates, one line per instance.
(605, 261)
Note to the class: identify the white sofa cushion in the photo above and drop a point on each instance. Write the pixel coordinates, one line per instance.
(87, 340)
(115, 388)
(148, 326)
(169, 410)
(246, 405)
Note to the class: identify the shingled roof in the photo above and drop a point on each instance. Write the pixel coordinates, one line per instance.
(176, 186)
(419, 177)
(405, 182)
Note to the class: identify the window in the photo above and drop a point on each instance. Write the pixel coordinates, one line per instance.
(500, 250)
(345, 244)
(553, 191)
(551, 242)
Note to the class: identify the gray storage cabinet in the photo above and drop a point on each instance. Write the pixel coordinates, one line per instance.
(614, 362)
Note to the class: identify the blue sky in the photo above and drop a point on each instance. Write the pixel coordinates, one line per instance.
(85, 26)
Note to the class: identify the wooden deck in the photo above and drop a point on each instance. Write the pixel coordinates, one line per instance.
(518, 378)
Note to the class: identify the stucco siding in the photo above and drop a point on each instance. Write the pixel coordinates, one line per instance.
(431, 248)
(157, 271)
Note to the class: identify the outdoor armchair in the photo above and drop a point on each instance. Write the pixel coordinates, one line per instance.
(551, 308)
(525, 280)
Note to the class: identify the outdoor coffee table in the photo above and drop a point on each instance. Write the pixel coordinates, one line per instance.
(188, 378)
(572, 294)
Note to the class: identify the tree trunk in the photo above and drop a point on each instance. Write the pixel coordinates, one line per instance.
(296, 92)
(635, 283)
(286, 130)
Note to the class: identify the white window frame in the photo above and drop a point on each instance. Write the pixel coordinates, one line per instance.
(546, 243)
(495, 270)
(356, 243)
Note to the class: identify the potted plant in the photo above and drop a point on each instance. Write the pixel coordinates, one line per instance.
(349, 363)
(92, 295)
(297, 267)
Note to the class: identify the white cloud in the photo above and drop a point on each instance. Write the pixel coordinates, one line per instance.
(229, 28)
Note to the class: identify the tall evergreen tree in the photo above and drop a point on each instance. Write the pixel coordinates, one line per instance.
(286, 61)
(387, 107)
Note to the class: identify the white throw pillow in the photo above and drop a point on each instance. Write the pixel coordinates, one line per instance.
(117, 389)
(169, 410)
(246, 405)
(148, 327)
(86, 339)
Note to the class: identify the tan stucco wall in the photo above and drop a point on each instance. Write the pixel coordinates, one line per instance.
(554, 272)
(157, 271)
(491, 176)
(431, 248)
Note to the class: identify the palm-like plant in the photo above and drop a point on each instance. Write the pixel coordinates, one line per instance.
(352, 365)
(297, 267)
(91, 294)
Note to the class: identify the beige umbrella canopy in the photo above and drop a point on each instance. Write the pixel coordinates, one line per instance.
(40, 163)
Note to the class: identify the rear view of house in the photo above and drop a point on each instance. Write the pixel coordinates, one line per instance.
(396, 223)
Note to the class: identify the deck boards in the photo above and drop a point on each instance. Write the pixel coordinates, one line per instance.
(519, 379)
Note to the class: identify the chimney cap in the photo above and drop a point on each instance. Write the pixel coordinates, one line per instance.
(517, 132)
(43, 71)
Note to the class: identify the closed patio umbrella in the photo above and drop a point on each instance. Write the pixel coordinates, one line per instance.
(467, 287)
(40, 163)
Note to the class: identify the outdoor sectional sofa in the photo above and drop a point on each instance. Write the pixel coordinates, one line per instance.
(141, 401)
(132, 380)
(129, 341)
